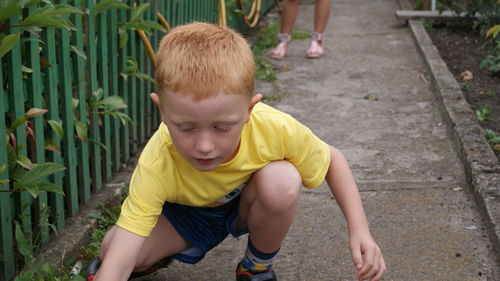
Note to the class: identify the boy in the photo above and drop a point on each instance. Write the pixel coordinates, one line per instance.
(220, 163)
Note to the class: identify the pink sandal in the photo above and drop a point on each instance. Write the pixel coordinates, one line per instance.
(316, 48)
(280, 51)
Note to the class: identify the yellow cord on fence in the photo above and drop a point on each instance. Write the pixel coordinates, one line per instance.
(163, 22)
(252, 18)
(149, 49)
(222, 13)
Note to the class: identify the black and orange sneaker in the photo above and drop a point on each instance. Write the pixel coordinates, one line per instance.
(91, 269)
(248, 275)
(93, 266)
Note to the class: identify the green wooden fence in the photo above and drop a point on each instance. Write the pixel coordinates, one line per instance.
(58, 75)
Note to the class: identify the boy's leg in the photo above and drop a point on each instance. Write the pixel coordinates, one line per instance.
(155, 247)
(267, 207)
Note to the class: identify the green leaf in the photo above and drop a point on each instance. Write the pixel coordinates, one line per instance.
(48, 21)
(40, 171)
(2, 168)
(52, 145)
(143, 76)
(114, 101)
(138, 11)
(30, 188)
(9, 11)
(8, 43)
(24, 161)
(493, 31)
(25, 275)
(99, 144)
(22, 244)
(18, 122)
(49, 187)
(75, 102)
(79, 52)
(124, 117)
(34, 112)
(105, 5)
(26, 69)
(58, 9)
(97, 94)
(123, 36)
(81, 130)
(57, 128)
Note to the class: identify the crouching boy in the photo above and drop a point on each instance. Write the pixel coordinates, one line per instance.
(222, 163)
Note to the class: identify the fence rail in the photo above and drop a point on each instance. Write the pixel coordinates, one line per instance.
(59, 70)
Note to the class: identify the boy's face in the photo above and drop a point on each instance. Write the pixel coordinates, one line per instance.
(206, 132)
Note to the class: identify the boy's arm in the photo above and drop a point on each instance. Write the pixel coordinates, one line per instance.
(120, 257)
(366, 254)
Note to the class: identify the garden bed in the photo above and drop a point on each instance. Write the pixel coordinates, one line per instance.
(463, 51)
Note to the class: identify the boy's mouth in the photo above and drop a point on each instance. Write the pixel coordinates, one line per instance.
(205, 161)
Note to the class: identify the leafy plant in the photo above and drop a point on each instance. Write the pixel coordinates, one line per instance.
(38, 270)
(132, 69)
(26, 176)
(50, 15)
(108, 213)
(483, 114)
(109, 105)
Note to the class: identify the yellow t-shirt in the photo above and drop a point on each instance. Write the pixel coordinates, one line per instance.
(163, 175)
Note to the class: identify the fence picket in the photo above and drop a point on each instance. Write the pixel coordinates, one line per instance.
(17, 100)
(68, 149)
(114, 74)
(7, 268)
(52, 99)
(38, 148)
(103, 76)
(79, 75)
(94, 85)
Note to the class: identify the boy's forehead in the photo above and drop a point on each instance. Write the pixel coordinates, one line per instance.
(177, 96)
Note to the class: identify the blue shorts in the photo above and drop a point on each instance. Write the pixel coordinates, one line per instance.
(203, 227)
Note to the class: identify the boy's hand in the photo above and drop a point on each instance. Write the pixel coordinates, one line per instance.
(367, 257)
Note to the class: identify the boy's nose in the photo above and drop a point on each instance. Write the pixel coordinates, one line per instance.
(204, 143)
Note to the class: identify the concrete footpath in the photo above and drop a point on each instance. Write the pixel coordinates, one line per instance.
(370, 95)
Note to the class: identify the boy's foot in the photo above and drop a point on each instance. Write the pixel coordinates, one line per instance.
(93, 266)
(316, 48)
(248, 275)
(91, 269)
(280, 51)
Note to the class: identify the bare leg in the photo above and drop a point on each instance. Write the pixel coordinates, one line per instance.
(321, 15)
(164, 241)
(269, 203)
(290, 11)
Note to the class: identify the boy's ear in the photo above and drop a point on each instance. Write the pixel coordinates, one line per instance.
(156, 100)
(255, 99)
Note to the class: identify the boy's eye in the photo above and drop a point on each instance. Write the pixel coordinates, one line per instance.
(185, 128)
(222, 128)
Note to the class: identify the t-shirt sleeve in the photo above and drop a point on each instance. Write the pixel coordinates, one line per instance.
(144, 203)
(307, 152)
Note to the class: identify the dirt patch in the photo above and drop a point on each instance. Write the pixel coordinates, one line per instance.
(463, 51)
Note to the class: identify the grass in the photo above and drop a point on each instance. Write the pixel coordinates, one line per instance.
(483, 113)
(266, 40)
(107, 215)
(493, 139)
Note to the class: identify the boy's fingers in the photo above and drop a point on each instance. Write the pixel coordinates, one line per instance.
(357, 259)
(371, 264)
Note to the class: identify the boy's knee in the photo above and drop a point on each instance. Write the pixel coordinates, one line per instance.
(278, 185)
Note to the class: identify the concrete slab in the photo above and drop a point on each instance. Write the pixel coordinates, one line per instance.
(370, 95)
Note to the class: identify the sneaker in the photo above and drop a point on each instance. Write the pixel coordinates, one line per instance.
(94, 265)
(91, 269)
(249, 275)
